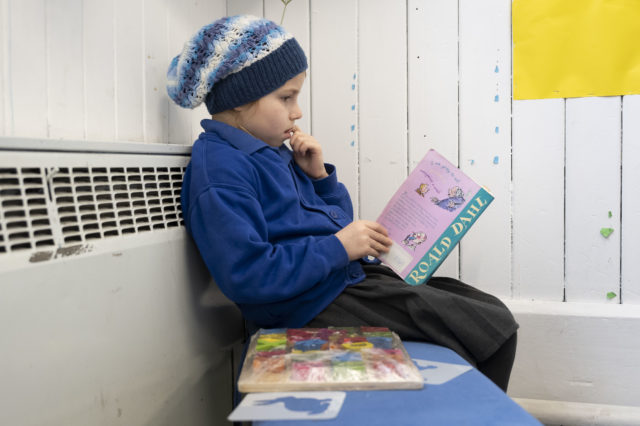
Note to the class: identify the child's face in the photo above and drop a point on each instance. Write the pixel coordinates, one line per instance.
(272, 117)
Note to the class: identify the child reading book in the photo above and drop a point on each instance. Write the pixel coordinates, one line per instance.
(275, 227)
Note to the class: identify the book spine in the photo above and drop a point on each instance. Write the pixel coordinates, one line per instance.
(449, 239)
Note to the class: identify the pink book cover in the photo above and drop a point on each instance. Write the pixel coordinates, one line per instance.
(428, 215)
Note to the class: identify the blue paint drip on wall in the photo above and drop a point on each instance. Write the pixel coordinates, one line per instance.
(353, 108)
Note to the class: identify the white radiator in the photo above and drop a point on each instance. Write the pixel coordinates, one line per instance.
(107, 314)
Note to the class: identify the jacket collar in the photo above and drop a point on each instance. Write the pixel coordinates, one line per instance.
(242, 140)
(234, 137)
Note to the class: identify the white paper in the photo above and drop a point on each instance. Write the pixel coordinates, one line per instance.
(397, 258)
(288, 406)
(437, 373)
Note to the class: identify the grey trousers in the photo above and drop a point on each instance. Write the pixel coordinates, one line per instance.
(444, 311)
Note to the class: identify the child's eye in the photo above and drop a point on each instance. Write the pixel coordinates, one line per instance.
(286, 98)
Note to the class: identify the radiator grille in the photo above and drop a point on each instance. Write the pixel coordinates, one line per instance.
(24, 220)
(85, 204)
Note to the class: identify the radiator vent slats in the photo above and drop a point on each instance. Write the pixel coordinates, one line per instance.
(87, 204)
(24, 220)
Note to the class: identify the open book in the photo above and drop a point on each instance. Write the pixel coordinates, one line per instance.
(428, 215)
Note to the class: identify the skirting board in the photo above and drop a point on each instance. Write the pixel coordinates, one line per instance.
(577, 353)
(564, 413)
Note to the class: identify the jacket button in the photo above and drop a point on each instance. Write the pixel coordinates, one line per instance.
(334, 214)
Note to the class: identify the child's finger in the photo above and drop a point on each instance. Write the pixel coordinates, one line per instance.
(305, 147)
(375, 226)
(379, 234)
(299, 147)
(382, 240)
(296, 139)
(380, 248)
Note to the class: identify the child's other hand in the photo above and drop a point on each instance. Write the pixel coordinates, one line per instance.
(307, 153)
(364, 238)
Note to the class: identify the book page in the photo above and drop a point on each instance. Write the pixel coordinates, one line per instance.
(436, 198)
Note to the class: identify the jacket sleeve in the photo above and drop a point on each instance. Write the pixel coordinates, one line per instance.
(333, 192)
(230, 230)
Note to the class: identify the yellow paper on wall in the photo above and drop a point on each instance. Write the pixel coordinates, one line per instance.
(575, 48)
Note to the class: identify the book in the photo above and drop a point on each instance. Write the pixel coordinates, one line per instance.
(428, 215)
(333, 358)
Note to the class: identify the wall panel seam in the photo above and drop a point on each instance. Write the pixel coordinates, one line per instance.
(620, 289)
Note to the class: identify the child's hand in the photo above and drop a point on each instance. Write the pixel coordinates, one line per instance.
(307, 153)
(364, 238)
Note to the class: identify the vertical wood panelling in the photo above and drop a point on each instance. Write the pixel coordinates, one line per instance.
(387, 81)
(4, 37)
(180, 27)
(538, 199)
(334, 86)
(593, 189)
(129, 76)
(433, 87)
(156, 62)
(630, 232)
(249, 7)
(99, 70)
(296, 21)
(433, 78)
(28, 68)
(65, 79)
(485, 138)
(382, 81)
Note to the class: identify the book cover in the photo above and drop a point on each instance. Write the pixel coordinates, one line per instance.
(428, 215)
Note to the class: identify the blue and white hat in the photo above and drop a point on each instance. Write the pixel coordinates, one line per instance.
(234, 61)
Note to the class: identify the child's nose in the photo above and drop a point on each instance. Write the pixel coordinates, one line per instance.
(296, 113)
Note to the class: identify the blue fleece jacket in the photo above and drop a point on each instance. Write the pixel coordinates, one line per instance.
(265, 230)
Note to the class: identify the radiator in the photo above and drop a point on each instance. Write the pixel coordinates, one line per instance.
(107, 313)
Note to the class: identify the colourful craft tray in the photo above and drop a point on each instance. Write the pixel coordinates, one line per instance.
(340, 358)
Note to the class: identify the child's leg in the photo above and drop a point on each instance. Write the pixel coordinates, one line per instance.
(445, 311)
(498, 366)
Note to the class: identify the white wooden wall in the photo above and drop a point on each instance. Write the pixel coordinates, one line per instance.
(387, 81)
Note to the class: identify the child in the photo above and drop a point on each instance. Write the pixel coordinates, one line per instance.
(274, 225)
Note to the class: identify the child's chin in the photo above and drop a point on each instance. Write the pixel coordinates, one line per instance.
(275, 143)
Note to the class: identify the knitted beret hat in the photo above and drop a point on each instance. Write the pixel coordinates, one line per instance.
(233, 61)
